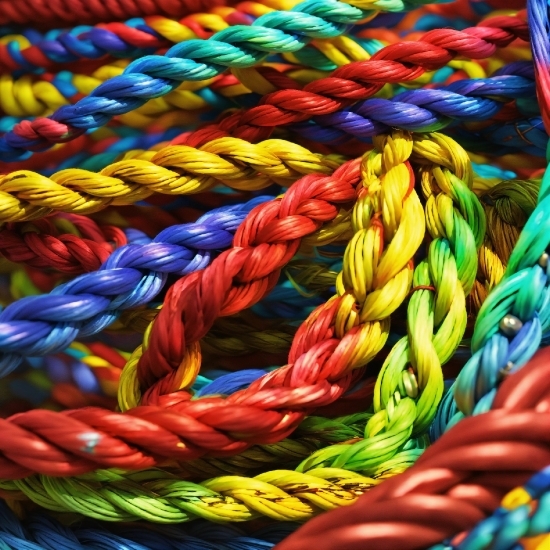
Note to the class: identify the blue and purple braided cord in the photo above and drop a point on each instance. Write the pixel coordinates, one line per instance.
(132, 276)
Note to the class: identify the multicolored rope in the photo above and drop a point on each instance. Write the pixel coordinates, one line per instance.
(132, 275)
(155, 76)
(521, 522)
(456, 483)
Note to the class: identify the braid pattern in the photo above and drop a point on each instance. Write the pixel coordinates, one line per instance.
(410, 384)
(155, 76)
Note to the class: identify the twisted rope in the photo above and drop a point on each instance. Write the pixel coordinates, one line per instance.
(29, 95)
(154, 76)
(41, 246)
(173, 170)
(456, 483)
(507, 207)
(46, 13)
(129, 40)
(41, 532)
(280, 494)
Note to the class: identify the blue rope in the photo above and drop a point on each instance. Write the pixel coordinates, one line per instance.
(132, 276)
(42, 532)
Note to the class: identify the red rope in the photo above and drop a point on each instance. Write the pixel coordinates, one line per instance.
(56, 13)
(67, 253)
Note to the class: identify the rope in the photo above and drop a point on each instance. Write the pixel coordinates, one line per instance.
(40, 245)
(173, 170)
(41, 532)
(48, 13)
(327, 119)
(522, 519)
(67, 49)
(456, 483)
(155, 76)
(507, 207)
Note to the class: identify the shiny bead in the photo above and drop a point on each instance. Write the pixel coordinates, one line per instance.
(510, 325)
(543, 260)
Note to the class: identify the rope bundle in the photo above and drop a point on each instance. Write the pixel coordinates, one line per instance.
(190, 199)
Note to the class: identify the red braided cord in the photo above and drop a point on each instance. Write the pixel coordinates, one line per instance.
(78, 441)
(457, 482)
(67, 253)
(396, 63)
(56, 13)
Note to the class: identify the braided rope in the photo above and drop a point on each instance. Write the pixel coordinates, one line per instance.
(410, 384)
(40, 245)
(173, 170)
(456, 483)
(154, 76)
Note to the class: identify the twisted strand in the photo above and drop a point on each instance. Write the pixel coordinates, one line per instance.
(173, 170)
(154, 76)
(456, 483)
(38, 96)
(507, 207)
(41, 246)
